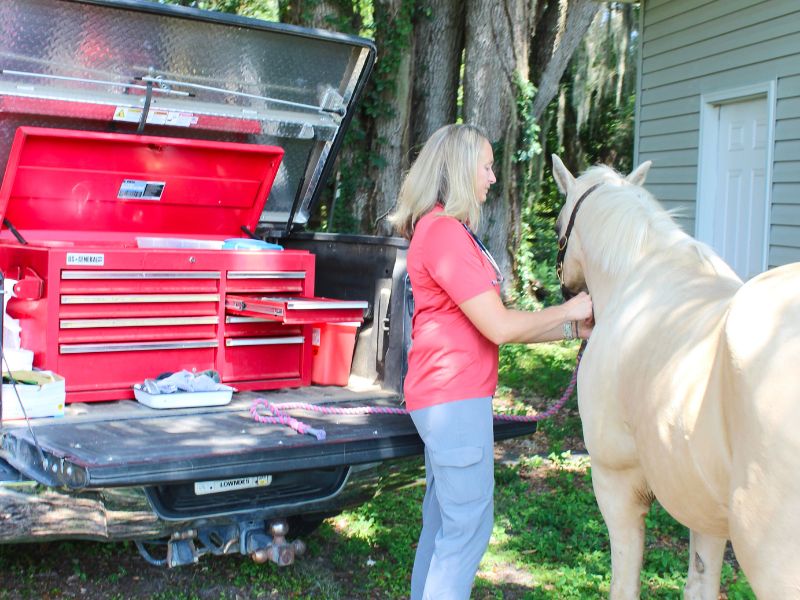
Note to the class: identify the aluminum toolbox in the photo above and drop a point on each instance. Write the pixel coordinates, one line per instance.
(105, 313)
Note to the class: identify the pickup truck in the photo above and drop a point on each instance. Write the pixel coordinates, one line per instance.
(207, 480)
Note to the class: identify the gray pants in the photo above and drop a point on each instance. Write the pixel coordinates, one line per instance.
(458, 509)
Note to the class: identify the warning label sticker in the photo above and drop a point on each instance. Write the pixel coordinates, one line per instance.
(156, 116)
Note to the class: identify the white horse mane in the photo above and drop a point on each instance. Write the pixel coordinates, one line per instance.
(622, 222)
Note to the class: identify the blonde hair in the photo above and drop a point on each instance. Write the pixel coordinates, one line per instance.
(446, 171)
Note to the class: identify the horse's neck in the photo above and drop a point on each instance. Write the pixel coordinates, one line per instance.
(675, 269)
(602, 289)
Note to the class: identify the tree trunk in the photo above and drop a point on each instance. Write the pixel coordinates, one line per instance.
(495, 58)
(388, 146)
(558, 34)
(438, 42)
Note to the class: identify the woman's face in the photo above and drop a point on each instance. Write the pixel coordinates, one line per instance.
(485, 173)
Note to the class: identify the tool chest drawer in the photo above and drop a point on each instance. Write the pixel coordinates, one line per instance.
(264, 354)
(100, 371)
(293, 311)
(251, 282)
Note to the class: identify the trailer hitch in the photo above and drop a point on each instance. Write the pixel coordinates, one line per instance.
(250, 538)
(278, 549)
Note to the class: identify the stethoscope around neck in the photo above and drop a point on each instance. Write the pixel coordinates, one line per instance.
(486, 253)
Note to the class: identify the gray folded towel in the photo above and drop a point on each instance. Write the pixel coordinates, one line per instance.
(183, 381)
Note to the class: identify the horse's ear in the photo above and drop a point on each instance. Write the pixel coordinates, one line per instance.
(561, 174)
(639, 174)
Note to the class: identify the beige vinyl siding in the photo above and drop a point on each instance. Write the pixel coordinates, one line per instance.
(695, 47)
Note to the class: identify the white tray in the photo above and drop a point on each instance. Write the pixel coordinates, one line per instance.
(183, 399)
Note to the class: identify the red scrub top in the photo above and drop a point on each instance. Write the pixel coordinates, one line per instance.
(449, 358)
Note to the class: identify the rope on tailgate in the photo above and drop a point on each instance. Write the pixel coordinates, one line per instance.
(264, 411)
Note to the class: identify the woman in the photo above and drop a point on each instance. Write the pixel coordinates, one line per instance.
(459, 321)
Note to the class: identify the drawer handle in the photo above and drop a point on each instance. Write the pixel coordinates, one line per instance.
(136, 322)
(267, 341)
(142, 346)
(137, 298)
(138, 275)
(266, 275)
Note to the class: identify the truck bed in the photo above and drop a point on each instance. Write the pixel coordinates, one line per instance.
(125, 443)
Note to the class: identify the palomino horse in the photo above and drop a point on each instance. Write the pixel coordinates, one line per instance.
(689, 389)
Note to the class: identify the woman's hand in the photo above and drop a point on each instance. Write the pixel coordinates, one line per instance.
(584, 328)
(579, 311)
(579, 308)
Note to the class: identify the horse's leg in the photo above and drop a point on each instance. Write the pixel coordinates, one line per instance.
(705, 566)
(768, 549)
(624, 499)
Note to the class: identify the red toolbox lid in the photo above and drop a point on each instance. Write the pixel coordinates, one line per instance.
(75, 184)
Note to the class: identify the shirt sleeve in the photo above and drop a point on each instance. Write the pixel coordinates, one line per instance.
(455, 262)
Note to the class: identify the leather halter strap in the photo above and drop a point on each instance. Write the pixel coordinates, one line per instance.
(564, 240)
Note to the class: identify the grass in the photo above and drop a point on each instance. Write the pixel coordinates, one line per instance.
(549, 540)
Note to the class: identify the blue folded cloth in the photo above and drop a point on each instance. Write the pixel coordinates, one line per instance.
(249, 244)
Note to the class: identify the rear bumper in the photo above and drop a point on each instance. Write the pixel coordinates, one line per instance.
(32, 512)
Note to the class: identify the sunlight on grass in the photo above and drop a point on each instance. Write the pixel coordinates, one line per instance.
(353, 525)
(538, 369)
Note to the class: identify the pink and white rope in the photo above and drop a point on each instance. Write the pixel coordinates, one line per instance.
(275, 413)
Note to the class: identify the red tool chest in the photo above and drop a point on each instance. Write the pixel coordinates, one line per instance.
(116, 243)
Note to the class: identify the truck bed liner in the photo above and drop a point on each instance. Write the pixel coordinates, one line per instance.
(125, 443)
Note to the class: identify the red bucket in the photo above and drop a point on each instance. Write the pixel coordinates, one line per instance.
(332, 348)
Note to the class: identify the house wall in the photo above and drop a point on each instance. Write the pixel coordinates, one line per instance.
(695, 47)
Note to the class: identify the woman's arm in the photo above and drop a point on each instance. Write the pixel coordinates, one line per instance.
(502, 325)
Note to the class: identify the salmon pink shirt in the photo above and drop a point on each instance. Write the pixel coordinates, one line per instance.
(449, 358)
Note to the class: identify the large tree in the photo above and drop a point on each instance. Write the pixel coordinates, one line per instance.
(439, 27)
(501, 46)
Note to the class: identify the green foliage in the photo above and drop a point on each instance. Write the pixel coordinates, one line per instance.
(360, 164)
(258, 9)
(609, 139)
(543, 371)
(529, 146)
(539, 370)
(536, 273)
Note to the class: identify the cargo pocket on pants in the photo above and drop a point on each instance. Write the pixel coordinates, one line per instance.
(459, 473)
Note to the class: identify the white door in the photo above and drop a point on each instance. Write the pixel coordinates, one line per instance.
(740, 202)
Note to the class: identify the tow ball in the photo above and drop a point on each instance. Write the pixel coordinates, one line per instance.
(275, 547)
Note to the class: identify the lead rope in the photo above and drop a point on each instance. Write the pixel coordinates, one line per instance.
(275, 413)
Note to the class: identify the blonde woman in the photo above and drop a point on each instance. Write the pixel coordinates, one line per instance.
(459, 321)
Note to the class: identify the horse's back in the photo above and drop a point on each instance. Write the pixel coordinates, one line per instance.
(763, 411)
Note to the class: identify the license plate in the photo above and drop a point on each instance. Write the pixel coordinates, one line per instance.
(228, 485)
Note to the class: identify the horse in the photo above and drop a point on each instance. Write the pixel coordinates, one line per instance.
(688, 389)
